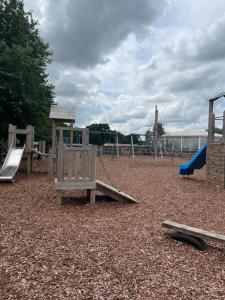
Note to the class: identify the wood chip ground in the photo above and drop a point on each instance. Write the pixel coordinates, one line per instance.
(111, 250)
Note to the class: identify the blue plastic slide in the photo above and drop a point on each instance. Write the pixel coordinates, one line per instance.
(197, 162)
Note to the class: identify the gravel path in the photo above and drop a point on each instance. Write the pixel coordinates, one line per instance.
(111, 250)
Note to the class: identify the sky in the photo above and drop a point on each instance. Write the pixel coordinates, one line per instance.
(115, 60)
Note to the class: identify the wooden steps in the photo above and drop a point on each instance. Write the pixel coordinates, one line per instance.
(114, 193)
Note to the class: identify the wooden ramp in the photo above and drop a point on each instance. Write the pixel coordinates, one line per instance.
(114, 193)
(196, 232)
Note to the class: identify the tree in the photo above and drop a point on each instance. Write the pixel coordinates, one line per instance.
(105, 135)
(25, 94)
(160, 130)
(218, 130)
(150, 134)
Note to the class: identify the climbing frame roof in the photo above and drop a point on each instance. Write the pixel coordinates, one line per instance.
(64, 113)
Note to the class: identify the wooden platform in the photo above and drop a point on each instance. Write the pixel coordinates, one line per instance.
(199, 233)
(114, 193)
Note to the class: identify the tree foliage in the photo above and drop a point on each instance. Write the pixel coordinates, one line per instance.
(150, 134)
(25, 94)
(105, 135)
(218, 130)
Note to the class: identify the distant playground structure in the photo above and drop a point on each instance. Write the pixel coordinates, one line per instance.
(212, 153)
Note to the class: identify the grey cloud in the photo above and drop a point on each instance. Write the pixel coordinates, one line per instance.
(83, 32)
(206, 46)
(194, 79)
(211, 45)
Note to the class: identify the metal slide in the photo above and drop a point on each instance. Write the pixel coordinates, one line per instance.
(11, 163)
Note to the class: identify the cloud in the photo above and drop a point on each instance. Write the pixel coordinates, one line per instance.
(115, 60)
(84, 32)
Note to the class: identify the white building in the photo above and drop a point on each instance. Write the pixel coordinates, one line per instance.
(186, 140)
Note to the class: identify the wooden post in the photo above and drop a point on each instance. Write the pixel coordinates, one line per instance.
(199, 142)
(85, 136)
(132, 145)
(211, 121)
(29, 145)
(117, 146)
(12, 136)
(181, 144)
(60, 162)
(52, 157)
(224, 125)
(61, 139)
(156, 133)
(71, 135)
(42, 146)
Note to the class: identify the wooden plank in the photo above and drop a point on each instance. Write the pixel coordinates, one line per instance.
(74, 185)
(61, 164)
(85, 136)
(114, 193)
(215, 237)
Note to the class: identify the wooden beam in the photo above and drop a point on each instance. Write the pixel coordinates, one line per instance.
(196, 232)
(224, 125)
(114, 193)
(210, 122)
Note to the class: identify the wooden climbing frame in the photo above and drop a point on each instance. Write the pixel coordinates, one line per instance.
(76, 170)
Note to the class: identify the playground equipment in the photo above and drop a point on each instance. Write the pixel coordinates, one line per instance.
(211, 153)
(197, 162)
(11, 164)
(76, 163)
(113, 192)
(24, 153)
(192, 235)
(14, 155)
(76, 168)
(215, 163)
(58, 115)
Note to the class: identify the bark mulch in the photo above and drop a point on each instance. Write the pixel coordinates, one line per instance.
(111, 250)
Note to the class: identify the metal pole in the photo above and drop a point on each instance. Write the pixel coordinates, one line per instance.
(132, 145)
(117, 146)
(156, 133)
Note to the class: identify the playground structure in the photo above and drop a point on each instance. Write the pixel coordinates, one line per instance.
(24, 154)
(212, 153)
(58, 115)
(75, 164)
(15, 155)
(29, 142)
(215, 161)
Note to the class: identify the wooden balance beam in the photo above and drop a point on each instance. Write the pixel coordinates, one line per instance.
(114, 193)
(194, 232)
